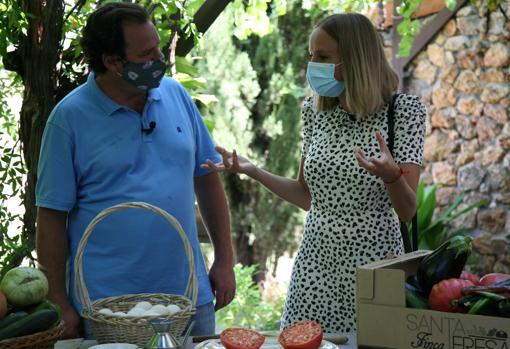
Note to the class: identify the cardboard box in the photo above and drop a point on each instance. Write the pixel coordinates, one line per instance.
(385, 322)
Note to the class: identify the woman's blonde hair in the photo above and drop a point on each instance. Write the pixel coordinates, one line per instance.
(369, 80)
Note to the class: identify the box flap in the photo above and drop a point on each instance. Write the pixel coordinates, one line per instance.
(365, 283)
(381, 286)
(399, 259)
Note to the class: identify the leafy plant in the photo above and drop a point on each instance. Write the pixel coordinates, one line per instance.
(248, 309)
(432, 232)
(409, 27)
(12, 244)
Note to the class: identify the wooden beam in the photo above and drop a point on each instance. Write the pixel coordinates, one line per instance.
(395, 43)
(425, 9)
(429, 30)
(203, 19)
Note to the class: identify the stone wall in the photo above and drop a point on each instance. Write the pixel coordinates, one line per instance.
(463, 76)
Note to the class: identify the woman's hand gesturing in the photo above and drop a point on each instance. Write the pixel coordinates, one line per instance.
(383, 166)
(230, 162)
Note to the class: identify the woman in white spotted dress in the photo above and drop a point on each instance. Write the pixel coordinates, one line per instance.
(348, 179)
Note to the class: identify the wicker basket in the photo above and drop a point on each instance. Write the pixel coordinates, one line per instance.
(135, 330)
(40, 340)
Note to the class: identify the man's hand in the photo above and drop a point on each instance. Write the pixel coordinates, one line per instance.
(383, 166)
(72, 322)
(223, 283)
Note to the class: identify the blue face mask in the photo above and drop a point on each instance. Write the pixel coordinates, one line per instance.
(321, 77)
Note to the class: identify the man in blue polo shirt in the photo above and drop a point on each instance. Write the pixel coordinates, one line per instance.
(129, 134)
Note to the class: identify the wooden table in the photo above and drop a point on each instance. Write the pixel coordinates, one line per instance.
(81, 344)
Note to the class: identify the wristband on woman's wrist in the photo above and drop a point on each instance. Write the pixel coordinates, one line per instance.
(396, 179)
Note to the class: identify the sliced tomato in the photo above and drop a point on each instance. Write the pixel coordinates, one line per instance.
(241, 338)
(301, 335)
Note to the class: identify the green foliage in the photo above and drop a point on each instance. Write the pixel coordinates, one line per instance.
(171, 16)
(409, 27)
(451, 4)
(493, 5)
(251, 17)
(232, 80)
(248, 309)
(259, 84)
(13, 23)
(433, 231)
(256, 17)
(12, 173)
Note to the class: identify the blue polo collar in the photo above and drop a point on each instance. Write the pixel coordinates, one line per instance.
(106, 103)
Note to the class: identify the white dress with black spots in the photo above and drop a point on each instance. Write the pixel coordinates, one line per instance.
(351, 221)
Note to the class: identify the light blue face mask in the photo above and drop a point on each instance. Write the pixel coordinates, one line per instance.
(321, 77)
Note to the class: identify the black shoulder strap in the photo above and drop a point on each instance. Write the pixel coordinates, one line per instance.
(409, 244)
(391, 123)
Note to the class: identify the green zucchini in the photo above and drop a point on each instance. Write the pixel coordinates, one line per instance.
(414, 299)
(38, 321)
(479, 306)
(504, 308)
(485, 306)
(46, 304)
(466, 302)
(491, 295)
(12, 318)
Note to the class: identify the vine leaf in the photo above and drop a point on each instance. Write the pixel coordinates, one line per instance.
(451, 4)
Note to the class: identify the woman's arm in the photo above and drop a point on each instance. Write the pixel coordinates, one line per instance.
(294, 191)
(402, 191)
(400, 181)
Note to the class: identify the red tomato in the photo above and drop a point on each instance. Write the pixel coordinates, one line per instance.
(241, 338)
(466, 275)
(492, 278)
(302, 335)
(445, 292)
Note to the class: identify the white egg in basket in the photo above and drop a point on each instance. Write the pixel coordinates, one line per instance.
(106, 311)
(172, 309)
(144, 305)
(160, 309)
(135, 312)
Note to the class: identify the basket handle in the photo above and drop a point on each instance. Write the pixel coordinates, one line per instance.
(79, 282)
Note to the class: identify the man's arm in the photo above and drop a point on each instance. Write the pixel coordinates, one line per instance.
(52, 254)
(214, 211)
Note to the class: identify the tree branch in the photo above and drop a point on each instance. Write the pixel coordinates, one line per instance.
(203, 19)
(77, 7)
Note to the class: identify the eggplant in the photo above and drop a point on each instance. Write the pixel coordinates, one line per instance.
(445, 262)
(412, 280)
(414, 298)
